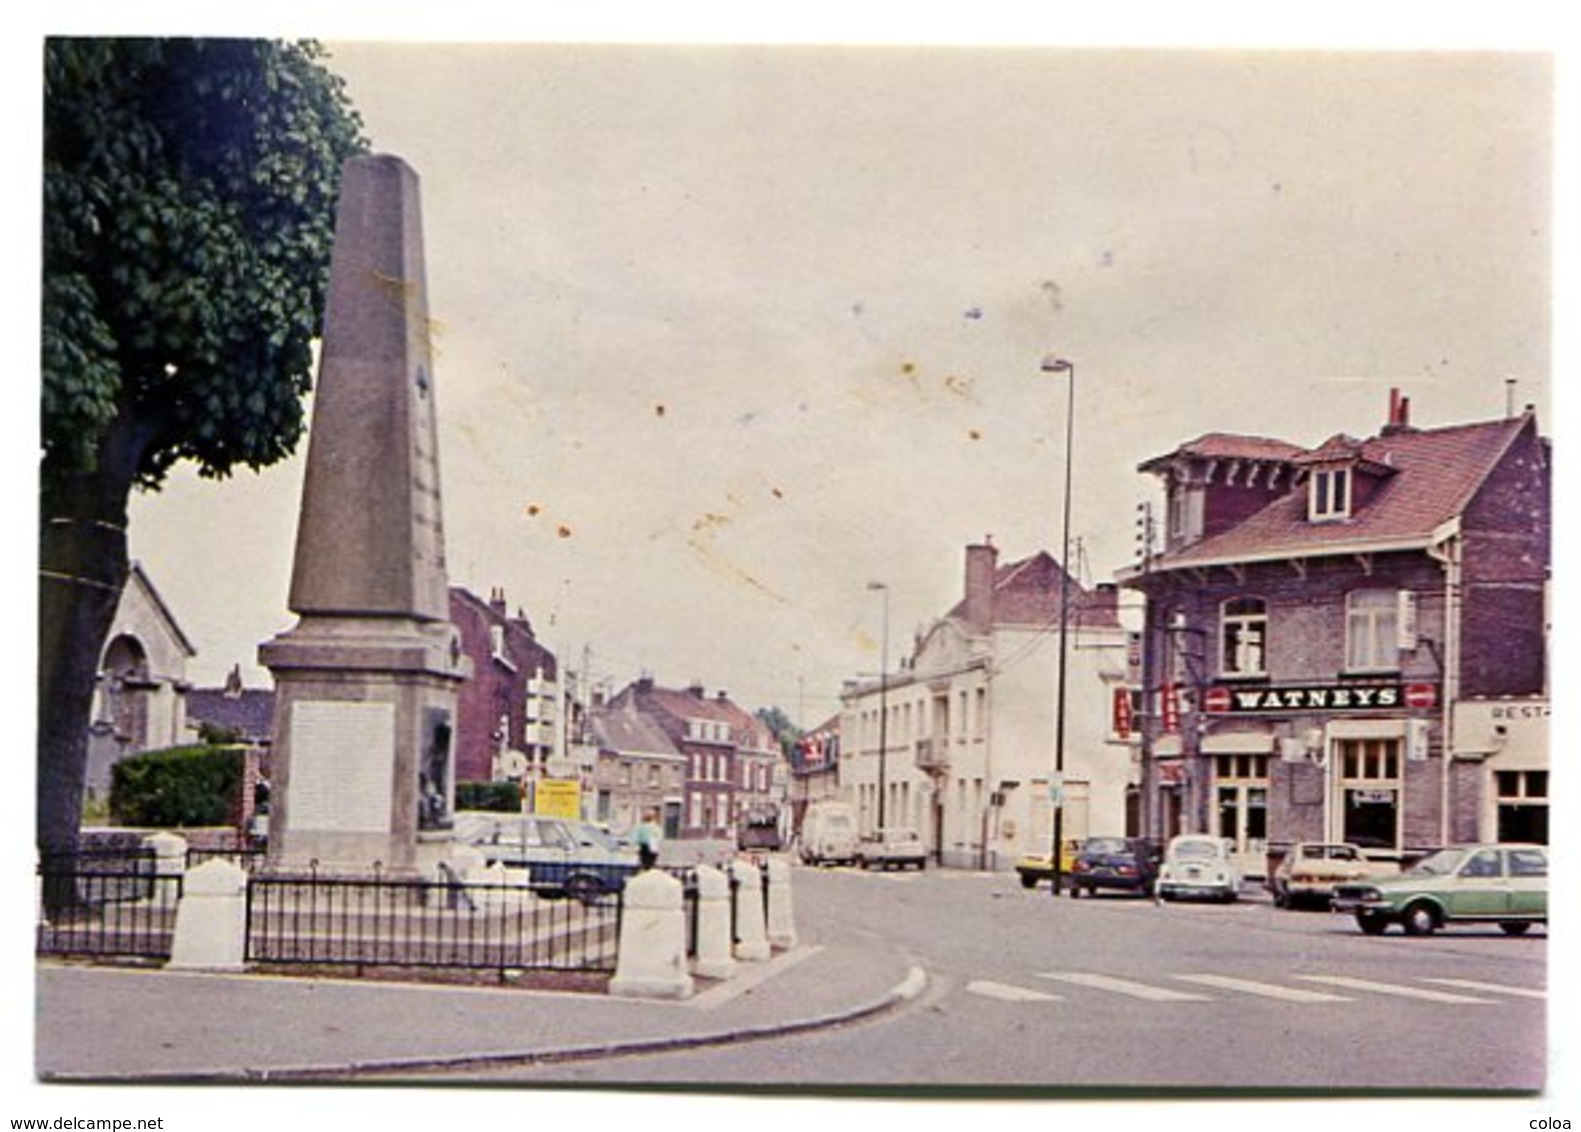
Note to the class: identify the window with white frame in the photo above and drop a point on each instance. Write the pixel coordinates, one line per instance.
(1372, 637)
(1243, 632)
(1329, 494)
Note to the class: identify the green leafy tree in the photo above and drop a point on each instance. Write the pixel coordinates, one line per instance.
(189, 201)
(780, 725)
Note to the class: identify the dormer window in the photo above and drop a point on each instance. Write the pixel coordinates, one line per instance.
(1329, 494)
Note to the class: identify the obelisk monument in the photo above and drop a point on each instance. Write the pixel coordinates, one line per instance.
(365, 682)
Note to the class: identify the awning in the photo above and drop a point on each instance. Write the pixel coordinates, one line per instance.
(1238, 743)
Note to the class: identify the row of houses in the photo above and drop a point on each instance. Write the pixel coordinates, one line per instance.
(700, 761)
(1346, 642)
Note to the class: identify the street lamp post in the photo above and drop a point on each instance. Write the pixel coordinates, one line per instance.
(1052, 364)
(883, 701)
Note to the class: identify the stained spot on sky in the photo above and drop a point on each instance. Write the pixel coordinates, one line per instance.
(1051, 292)
(533, 510)
(658, 410)
(563, 531)
(974, 312)
(975, 434)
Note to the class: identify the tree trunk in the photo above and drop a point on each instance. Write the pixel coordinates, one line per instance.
(83, 566)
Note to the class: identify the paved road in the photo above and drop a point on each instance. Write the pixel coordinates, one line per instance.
(1032, 991)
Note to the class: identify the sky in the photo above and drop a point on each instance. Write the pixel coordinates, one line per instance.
(725, 333)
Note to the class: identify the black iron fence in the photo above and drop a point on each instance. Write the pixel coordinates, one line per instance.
(120, 904)
(379, 921)
(113, 904)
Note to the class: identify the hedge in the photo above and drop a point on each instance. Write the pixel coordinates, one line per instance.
(177, 787)
(505, 797)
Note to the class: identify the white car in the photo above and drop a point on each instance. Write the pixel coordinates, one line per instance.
(1199, 866)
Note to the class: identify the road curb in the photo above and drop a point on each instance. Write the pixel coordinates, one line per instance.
(906, 990)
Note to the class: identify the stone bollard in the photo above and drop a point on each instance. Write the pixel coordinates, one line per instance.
(714, 960)
(652, 958)
(170, 864)
(211, 920)
(752, 941)
(781, 914)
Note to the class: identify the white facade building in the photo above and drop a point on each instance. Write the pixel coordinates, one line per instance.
(968, 723)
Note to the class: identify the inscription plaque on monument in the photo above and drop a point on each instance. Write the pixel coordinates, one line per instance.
(340, 766)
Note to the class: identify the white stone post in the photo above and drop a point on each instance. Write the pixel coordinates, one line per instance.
(170, 862)
(211, 920)
(752, 941)
(714, 960)
(652, 958)
(781, 914)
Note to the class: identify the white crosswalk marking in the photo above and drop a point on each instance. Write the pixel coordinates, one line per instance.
(1266, 990)
(1492, 988)
(1394, 989)
(1007, 993)
(1122, 986)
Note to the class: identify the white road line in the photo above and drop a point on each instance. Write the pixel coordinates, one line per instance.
(1006, 993)
(1122, 986)
(1394, 989)
(1266, 990)
(1494, 988)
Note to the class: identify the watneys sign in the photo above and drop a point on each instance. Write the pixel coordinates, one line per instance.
(1224, 699)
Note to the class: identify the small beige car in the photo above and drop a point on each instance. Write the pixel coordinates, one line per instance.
(1311, 869)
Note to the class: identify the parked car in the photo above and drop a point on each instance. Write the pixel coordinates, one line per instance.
(1033, 867)
(562, 857)
(897, 847)
(1309, 872)
(1505, 884)
(1201, 866)
(1125, 863)
(828, 833)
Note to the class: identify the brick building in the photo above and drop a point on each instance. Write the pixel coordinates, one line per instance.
(730, 754)
(507, 712)
(637, 769)
(1341, 641)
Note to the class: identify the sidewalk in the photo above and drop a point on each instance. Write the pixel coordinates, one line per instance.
(122, 1025)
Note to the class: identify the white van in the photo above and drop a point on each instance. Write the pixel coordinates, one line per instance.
(828, 833)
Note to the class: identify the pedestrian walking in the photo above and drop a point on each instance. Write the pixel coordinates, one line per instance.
(648, 836)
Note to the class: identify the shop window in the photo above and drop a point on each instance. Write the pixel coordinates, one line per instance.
(1241, 792)
(1243, 632)
(1370, 792)
(1521, 798)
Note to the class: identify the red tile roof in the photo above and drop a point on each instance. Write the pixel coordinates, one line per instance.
(1436, 474)
(1027, 592)
(1228, 446)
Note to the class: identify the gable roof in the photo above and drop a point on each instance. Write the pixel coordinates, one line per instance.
(139, 577)
(624, 729)
(1437, 472)
(1027, 592)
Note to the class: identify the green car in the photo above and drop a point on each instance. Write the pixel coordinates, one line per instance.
(1500, 884)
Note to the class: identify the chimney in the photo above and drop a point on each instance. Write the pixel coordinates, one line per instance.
(1399, 414)
(982, 560)
(696, 689)
(497, 601)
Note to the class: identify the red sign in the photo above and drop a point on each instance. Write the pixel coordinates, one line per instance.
(1122, 712)
(1171, 707)
(1216, 700)
(1420, 695)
